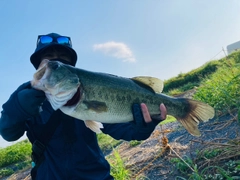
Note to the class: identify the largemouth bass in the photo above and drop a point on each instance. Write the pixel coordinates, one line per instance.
(99, 98)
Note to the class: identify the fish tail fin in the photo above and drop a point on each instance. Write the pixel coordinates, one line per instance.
(94, 126)
(197, 111)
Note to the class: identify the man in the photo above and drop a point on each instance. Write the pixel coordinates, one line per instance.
(63, 147)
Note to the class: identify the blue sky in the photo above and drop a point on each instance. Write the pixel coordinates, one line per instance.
(123, 37)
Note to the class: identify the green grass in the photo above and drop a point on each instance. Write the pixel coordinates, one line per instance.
(16, 153)
(230, 170)
(193, 78)
(6, 172)
(106, 142)
(118, 169)
(14, 158)
(222, 90)
(169, 119)
(134, 143)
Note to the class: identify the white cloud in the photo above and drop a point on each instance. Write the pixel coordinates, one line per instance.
(116, 49)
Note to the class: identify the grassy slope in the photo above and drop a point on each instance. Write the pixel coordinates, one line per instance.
(216, 82)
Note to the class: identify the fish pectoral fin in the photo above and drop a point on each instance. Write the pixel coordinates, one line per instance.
(198, 111)
(154, 83)
(94, 126)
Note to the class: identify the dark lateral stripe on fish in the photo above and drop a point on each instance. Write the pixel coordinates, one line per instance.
(96, 106)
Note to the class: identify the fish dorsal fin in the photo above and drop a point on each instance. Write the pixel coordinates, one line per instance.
(154, 83)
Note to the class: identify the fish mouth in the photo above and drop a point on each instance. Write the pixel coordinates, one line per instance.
(40, 79)
(41, 70)
(62, 88)
(40, 75)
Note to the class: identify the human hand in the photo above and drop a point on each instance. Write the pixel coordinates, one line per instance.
(142, 119)
(146, 115)
(30, 99)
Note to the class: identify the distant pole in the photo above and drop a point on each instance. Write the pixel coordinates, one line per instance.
(224, 52)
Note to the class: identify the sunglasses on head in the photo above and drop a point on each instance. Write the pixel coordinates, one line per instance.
(44, 39)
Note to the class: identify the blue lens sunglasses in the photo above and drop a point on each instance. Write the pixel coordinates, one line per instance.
(43, 39)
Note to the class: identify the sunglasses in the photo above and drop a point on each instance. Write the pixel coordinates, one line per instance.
(43, 39)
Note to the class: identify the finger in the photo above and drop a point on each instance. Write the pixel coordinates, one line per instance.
(163, 110)
(146, 115)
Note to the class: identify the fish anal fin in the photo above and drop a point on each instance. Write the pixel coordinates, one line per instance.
(154, 83)
(198, 112)
(94, 126)
(96, 106)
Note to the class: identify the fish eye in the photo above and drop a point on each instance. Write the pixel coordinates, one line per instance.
(54, 65)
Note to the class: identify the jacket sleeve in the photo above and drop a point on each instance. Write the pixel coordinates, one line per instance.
(13, 118)
(125, 131)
